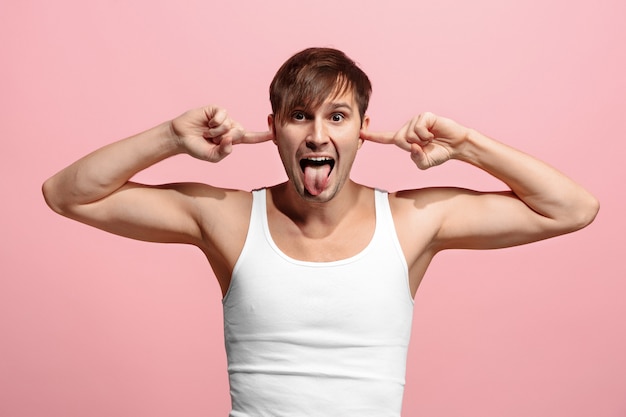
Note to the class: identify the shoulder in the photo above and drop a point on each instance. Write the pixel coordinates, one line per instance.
(431, 200)
(201, 193)
(223, 216)
(215, 210)
(425, 199)
(214, 203)
(426, 209)
(431, 194)
(413, 206)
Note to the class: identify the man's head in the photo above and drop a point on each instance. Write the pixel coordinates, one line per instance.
(319, 98)
(312, 76)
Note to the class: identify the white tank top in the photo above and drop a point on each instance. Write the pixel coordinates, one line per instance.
(318, 338)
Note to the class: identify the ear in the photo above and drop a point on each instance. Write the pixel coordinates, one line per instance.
(364, 126)
(270, 126)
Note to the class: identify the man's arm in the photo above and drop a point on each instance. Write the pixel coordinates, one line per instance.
(542, 202)
(97, 189)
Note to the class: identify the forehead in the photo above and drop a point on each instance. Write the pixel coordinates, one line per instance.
(346, 98)
(339, 97)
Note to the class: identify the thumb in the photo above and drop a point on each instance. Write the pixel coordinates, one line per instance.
(419, 156)
(223, 149)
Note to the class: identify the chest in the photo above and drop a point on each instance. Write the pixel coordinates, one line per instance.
(334, 247)
(362, 294)
(319, 243)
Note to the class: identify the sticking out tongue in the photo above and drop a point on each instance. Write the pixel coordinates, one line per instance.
(316, 178)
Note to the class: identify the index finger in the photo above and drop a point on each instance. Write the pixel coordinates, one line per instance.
(256, 137)
(379, 137)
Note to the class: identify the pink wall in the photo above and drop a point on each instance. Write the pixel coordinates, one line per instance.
(95, 325)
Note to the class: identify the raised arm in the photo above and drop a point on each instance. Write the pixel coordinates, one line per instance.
(542, 202)
(97, 189)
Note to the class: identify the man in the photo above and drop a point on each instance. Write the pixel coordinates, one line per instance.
(318, 273)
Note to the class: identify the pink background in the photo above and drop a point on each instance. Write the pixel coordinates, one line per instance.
(96, 325)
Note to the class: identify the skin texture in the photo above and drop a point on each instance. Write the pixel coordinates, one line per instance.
(337, 223)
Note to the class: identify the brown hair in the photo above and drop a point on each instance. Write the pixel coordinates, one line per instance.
(309, 77)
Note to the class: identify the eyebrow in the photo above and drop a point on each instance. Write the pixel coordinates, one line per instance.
(340, 104)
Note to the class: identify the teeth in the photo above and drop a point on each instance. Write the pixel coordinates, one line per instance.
(317, 161)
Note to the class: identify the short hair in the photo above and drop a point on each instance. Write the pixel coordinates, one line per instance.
(311, 76)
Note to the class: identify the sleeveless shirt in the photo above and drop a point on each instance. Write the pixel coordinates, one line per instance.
(318, 338)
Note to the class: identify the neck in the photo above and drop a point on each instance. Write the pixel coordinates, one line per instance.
(310, 213)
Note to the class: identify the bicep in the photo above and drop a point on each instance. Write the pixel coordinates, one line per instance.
(165, 213)
(487, 220)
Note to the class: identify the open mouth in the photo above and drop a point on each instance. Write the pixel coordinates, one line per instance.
(317, 162)
(316, 172)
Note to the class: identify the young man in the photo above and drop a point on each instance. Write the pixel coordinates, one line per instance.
(318, 273)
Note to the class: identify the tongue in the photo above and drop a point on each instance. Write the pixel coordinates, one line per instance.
(316, 178)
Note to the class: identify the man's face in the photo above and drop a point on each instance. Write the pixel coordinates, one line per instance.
(318, 147)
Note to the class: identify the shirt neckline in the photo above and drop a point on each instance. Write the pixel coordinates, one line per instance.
(268, 236)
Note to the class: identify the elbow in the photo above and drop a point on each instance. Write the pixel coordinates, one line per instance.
(585, 213)
(52, 196)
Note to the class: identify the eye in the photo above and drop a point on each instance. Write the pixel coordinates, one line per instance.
(337, 117)
(298, 115)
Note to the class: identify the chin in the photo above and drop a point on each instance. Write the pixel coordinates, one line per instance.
(324, 197)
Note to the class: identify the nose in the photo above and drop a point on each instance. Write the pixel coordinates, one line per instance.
(318, 136)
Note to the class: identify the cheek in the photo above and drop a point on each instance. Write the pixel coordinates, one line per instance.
(286, 154)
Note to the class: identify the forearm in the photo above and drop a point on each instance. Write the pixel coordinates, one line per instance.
(540, 186)
(105, 170)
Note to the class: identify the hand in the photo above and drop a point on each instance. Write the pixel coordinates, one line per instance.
(431, 139)
(208, 133)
